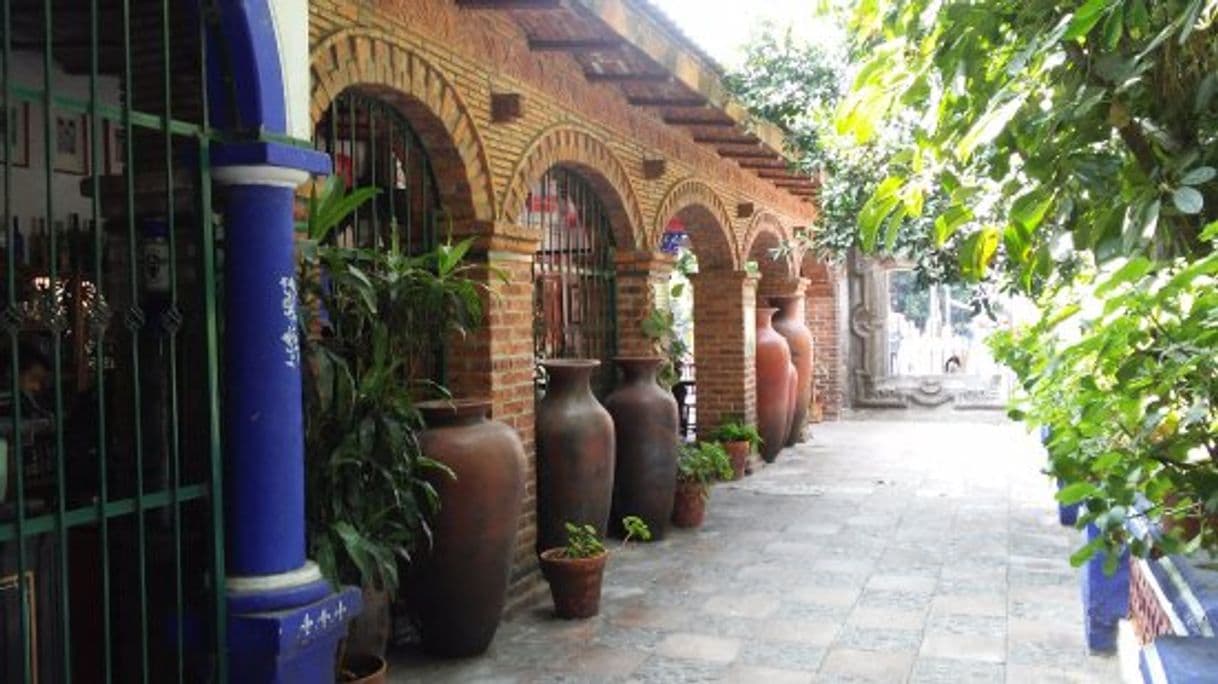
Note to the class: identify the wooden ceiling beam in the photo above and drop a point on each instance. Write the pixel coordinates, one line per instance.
(748, 154)
(510, 4)
(694, 121)
(726, 140)
(636, 77)
(677, 102)
(762, 164)
(575, 44)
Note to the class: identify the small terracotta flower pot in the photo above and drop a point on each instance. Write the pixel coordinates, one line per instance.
(575, 583)
(689, 505)
(364, 669)
(739, 453)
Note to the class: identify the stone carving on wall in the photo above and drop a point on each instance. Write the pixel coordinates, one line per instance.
(871, 384)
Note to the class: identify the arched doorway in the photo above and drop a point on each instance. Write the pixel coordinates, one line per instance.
(706, 316)
(573, 272)
(373, 145)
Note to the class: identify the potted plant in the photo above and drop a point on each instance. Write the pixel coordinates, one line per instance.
(698, 466)
(368, 491)
(739, 439)
(575, 571)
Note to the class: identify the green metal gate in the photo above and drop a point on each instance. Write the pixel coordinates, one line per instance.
(111, 550)
(573, 273)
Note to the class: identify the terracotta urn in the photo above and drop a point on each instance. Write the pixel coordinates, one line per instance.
(646, 435)
(791, 324)
(575, 454)
(773, 385)
(792, 390)
(689, 505)
(461, 585)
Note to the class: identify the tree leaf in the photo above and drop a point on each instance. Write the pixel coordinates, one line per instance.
(1085, 19)
(1199, 175)
(1188, 200)
(988, 126)
(1076, 492)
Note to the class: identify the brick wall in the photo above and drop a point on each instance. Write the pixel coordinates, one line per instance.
(439, 66)
(822, 310)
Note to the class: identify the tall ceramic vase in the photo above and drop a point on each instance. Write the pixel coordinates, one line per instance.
(790, 323)
(646, 434)
(773, 385)
(575, 454)
(792, 389)
(460, 586)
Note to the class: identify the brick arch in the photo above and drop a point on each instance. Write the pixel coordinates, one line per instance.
(692, 194)
(378, 64)
(766, 231)
(582, 151)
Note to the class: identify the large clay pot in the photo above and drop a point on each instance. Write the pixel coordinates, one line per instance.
(791, 324)
(792, 390)
(461, 585)
(646, 435)
(773, 385)
(575, 454)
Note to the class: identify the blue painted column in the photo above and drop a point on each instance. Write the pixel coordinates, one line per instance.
(285, 620)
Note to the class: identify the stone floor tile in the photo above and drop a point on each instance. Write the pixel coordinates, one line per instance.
(815, 633)
(950, 671)
(884, 618)
(843, 664)
(752, 674)
(699, 647)
(602, 662)
(945, 644)
(784, 655)
(894, 600)
(639, 614)
(827, 595)
(660, 670)
(878, 639)
(969, 604)
(741, 605)
(911, 583)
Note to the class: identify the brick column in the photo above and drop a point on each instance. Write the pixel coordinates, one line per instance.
(496, 361)
(725, 346)
(821, 311)
(642, 285)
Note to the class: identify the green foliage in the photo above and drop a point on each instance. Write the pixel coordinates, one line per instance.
(584, 542)
(660, 328)
(798, 86)
(1122, 370)
(734, 429)
(1049, 127)
(703, 463)
(368, 493)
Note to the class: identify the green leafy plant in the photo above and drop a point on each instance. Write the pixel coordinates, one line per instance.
(369, 314)
(584, 542)
(660, 328)
(1129, 392)
(702, 464)
(734, 429)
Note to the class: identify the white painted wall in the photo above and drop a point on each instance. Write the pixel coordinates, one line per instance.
(291, 19)
(29, 183)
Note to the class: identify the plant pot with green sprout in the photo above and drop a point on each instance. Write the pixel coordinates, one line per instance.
(576, 571)
(698, 466)
(739, 439)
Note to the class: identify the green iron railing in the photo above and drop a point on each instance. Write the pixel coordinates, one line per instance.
(573, 273)
(111, 547)
(373, 145)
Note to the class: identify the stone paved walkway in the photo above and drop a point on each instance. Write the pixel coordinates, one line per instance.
(879, 552)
